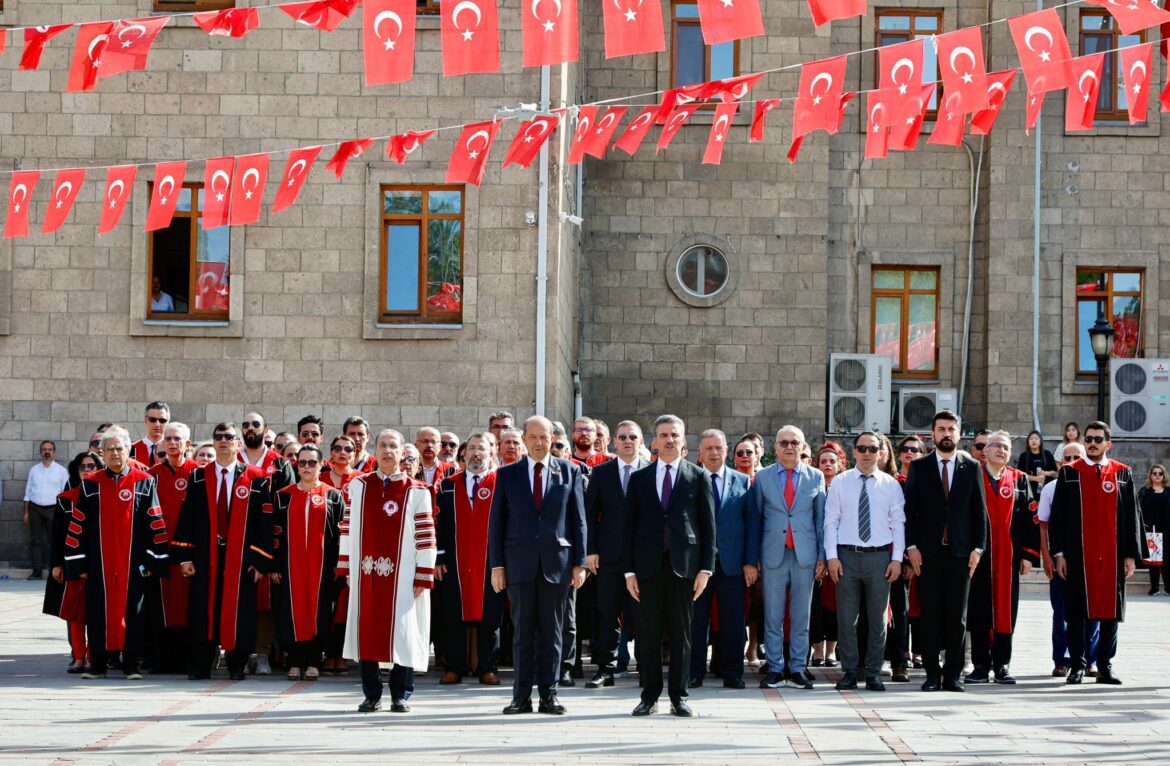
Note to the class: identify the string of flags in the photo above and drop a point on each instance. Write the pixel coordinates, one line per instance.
(895, 110)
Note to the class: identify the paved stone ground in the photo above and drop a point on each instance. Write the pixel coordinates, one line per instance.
(51, 718)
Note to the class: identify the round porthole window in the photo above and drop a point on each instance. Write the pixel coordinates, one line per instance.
(702, 271)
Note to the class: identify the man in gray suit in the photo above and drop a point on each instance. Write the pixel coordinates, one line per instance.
(786, 512)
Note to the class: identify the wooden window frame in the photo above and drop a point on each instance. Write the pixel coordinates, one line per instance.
(676, 22)
(1112, 37)
(904, 295)
(186, 6)
(191, 315)
(422, 315)
(428, 7)
(909, 35)
(1108, 294)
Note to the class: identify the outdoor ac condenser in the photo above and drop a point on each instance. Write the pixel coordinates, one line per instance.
(1139, 397)
(860, 393)
(916, 407)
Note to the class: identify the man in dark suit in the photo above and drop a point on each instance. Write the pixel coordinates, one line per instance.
(728, 583)
(536, 549)
(946, 532)
(605, 500)
(669, 556)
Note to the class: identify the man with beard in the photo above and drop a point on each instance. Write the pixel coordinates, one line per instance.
(511, 446)
(448, 447)
(358, 430)
(466, 598)
(149, 449)
(45, 481)
(585, 442)
(433, 469)
(255, 452)
(311, 430)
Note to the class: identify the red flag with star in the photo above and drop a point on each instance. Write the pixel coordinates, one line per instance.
(470, 32)
(632, 27)
(388, 40)
(119, 182)
(950, 122)
(549, 32)
(963, 70)
(128, 48)
(325, 15)
(720, 129)
(469, 158)
(248, 182)
(998, 86)
(217, 191)
(1043, 50)
(1080, 105)
(635, 132)
(900, 68)
(168, 183)
(824, 11)
(65, 188)
(1134, 15)
(399, 147)
(598, 140)
(673, 125)
(877, 131)
(35, 39)
(230, 22)
(296, 172)
(1136, 62)
(19, 192)
(725, 20)
(92, 40)
(676, 97)
(904, 134)
(760, 115)
(818, 100)
(532, 135)
(346, 152)
(586, 116)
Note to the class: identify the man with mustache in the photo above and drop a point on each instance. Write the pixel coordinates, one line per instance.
(434, 469)
(45, 480)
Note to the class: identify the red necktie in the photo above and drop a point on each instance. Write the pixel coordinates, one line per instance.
(537, 487)
(790, 498)
(222, 503)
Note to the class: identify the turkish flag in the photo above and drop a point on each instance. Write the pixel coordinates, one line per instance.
(1080, 105)
(231, 22)
(950, 122)
(248, 189)
(673, 125)
(586, 116)
(119, 182)
(730, 88)
(346, 152)
(824, 11)
(998, 86)
(904, 135)
(964, 73)
(677, 97)
(900, 68)
(469, 158)
(23, 183)
(470, 32)
(388, 40)
(1134, 15)
(549, 32)
(1135, 69)
(168, 182)
(632, 27)
(128, 48)
(325, 15)
(726, 20)
(598, 140)
(763, 106)
(65, 188)
(296, 171)
(635, 132)
(1043, 49)
(877, 130)
(532, 135)
(35, 39)
(399, 147)
(217, 191)
(720, 128)
(92, 41)
(818, 101)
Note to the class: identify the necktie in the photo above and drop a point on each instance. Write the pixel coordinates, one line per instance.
(537, 486)
(222, 502)
(790, 498)
(152, 454)
(385, 483)
(625, 478)
(474, 488)
(666, 487)
(946, 484)
(715, 487)
(863, 512)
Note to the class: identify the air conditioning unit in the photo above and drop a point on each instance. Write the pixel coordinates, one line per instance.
(916, 407)
(1139, 397)
(860, 393)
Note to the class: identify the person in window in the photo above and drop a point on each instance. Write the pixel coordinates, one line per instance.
(1037, 462)
(159, 300)
(1155, 504)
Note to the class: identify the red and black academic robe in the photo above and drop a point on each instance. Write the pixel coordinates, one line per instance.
(65, 600)
(223, 589)
(597, 458)
(279, 474)
(1096, 525)
(118, 538)
(140, 451)
(340, 593)
(307, 530)
(461, 527)
(1013, 535)
(171, 485)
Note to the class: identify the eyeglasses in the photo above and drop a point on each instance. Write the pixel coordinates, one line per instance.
(1094, 440)
(979, 446)
(909, 449)
(252, 424)
(310, 434)
(153, 419)
(342, 448)
(805, 456)
(744, 453)
(88, 466)
(172, 438)
(786, 444)
(583, 430)
(224, 437)
(626, 438)
(866, 449)
(307, 463)
(449, 444)
(410, 459)
(1000, 445)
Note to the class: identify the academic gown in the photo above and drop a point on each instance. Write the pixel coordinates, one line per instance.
(171, 485)
(1013, 535)
(65, 600)
(306, 530)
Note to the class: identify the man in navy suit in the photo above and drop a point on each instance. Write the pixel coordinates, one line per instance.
(729, 582)
(605, 500)
(669, 556)
(536, 549)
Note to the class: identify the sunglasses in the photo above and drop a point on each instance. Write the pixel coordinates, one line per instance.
(252, 424)
(307, 463)
(153, 419)
(88, 466)
(786, 444)
(911, 450)
(560, 445)
(805, 456)
(310, 434)
(410, 459)
(267, 443)
(95, 442)
(342, 448)
(626, 438)
(979, 446)
(224, 437)
(1095, 440)
(865, 449)
(449, 444)
(1068, 459)
(744, 453)
(1156, 473)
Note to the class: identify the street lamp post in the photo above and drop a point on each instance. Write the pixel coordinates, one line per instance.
(1101, 337)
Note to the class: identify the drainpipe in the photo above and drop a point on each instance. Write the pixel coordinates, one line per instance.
(542, 251)
(1036, 268)
(578, 403)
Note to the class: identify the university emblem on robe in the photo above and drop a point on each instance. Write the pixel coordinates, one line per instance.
(484, 493)
(180, 484)
(241, 492)
(382, 566)
(1108, 487)
(125, 495)
(390, 507)
(318, 500)
(1006, 491)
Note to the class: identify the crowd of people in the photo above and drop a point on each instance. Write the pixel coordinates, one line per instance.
(525, 543)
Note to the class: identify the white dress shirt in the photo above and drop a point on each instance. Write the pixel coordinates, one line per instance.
(469, 482)
(1044, 510)
(950, 467)
(45, 483)
(887, 516)
(543, 473)
(718, 483)
(660, 474)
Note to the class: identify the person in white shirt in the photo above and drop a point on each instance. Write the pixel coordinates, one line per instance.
(865, 524)
(46, 480)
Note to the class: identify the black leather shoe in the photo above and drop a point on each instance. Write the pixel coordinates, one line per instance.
(551, 705)
(874, 684)
(645, 708)
(517, 707)
(599, 680)
(978, 676)
(76, 666)
(733, 683)
(953, 685)
(694, 683)
(799, 681)
(567, 679)
(681, 709)
(1107, 677)
(1004, 676)
(370, 706)
(930, 685)
(900, 675)
(772, 681)
(848, 681)
(399, 706)
(1075, 676)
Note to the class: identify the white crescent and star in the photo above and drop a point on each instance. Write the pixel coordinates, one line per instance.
(548, 23)
(67, 187)
(389, 42)
(582, 127)
(720, 126)
(128, 43)
(215, 188)
(676, 121)
(295, 170)
(466, 5)
(250, 173)
(474, 153)
(118, 184)
(812, 86)
(878, 107)
(93, 44)
(542, 125)
(1137, 83)
(898, 65)
(22, 190)
(1088, 73)
(951, 103)
(409, 148)
(162, 188)
(1032, 31)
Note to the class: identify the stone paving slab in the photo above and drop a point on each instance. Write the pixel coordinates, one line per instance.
(51, 718)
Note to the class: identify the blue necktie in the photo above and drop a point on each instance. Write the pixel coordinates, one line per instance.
(863, 512)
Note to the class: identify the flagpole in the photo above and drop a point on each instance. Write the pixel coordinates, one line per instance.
(542, 250)
(1036, 266)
